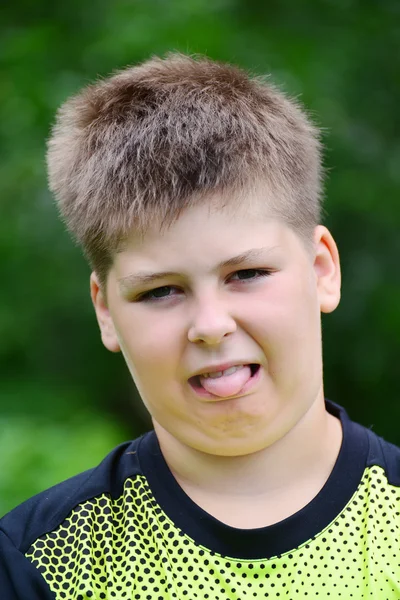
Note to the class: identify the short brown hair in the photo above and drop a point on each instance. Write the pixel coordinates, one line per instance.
(140, 146)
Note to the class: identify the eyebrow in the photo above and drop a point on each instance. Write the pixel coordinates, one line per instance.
(145, 278)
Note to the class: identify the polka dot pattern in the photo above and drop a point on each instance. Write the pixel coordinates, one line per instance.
(129, 548)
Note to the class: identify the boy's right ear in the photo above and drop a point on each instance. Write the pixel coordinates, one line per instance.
(107, 330)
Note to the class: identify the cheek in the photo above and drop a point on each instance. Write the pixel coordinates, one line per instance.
(150, 343)
(287, 317)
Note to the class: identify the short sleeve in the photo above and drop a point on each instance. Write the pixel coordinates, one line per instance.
(19, 579)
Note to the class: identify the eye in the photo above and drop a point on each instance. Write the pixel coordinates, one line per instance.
(251, 274)
(169, 291)
(157, 294)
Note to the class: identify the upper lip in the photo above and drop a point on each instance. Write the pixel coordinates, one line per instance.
(222, 367)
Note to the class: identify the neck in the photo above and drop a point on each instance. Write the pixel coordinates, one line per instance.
(284, 476)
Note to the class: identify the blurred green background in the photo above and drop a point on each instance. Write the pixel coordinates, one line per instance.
(64, 400)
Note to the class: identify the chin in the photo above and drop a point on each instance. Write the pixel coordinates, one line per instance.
(230, 445)
(235, 450)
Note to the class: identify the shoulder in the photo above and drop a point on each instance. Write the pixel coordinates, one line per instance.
(370, 448)
(45, 512)
(384, 455)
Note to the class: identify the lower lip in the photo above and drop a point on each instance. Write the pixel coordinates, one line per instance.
(254, 379)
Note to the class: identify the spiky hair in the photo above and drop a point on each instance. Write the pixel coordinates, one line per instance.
(142, 145)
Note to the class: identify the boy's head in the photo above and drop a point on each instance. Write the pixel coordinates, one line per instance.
(143, 145)
(195, 192)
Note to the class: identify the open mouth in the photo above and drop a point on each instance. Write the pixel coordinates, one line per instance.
(196, 383)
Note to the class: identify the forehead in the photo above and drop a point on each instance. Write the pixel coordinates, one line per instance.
(256, 199)
(204, 239)
(229, 211)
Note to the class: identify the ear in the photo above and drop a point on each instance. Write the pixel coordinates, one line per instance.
(108, 334)
(327, 269)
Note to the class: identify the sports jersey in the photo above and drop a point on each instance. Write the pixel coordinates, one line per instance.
(126, 530)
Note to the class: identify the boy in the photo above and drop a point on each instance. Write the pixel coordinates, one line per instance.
(194, 190)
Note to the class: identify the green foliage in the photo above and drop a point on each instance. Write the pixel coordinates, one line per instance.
(62, 394)
(37, 454)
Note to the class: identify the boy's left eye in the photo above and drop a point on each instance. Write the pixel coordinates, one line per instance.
(251, 273)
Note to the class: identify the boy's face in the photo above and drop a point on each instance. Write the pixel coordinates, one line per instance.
(263, 309)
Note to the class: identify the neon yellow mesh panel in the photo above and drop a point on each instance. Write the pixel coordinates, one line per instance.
(128, 548)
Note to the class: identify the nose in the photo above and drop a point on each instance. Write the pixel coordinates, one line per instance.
(210, 324)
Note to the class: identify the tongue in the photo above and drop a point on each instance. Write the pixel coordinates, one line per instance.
(227, 385)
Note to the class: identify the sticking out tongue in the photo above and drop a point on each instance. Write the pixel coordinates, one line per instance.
(227, 385)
